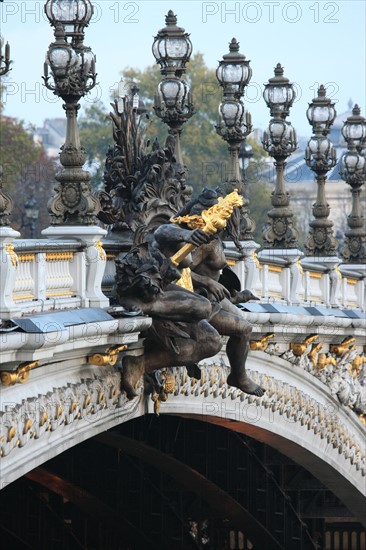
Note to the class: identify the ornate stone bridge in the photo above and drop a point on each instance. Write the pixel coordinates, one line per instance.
(63, 341)
(60, 384)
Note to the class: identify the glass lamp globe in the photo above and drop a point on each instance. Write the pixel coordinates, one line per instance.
(172, 47)
(320, 146)
(353, 162)
(234, 70)
(231, 113)
(86, 59)
(321, 112)
(173, 93)
(355, 128)
(61, 59)
(74, 15)
(279, 94)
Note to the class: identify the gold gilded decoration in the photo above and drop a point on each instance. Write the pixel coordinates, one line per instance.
(356, 366)
(11, 433)
(313, 353)
(298, 348)
(110, 356)
(59, 294)
(324, 360)
(340, 349)
(301, 269)
(26, 258)
(275, 268)
(211, 220)
(186, 280)
(339, 273)
(256, 261)
(87, 402)
(261, 345)
(102, 253)
(162, 395)
(27, 426)
(101, 397)
(13, 257)
(315, 275)
(23, 297)
(21, 374)
(59, 256)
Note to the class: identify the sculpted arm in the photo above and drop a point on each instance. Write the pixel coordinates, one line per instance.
(168, 235)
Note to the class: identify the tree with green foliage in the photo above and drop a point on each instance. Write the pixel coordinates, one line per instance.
(96, 136)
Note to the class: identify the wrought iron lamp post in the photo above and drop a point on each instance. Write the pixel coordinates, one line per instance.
(235, 124)
(280, 141)
(353, 171)
(72, 66)
(320, 156)
(6, 202)
(31, 210)
(245, 154)
(173, 103)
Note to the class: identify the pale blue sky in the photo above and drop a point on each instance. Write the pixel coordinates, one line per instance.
(316, 41)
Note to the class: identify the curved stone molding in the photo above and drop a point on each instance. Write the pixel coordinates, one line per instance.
(344, 375)
(47, 417)
(297, 415)
(283, 398)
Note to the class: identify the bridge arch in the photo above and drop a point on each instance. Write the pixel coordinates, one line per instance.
(297, 416)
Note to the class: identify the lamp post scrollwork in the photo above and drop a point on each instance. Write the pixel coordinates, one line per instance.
(72, 66)
(353, 171)
(173, 103)
(234, 125)
(279, 140)
(320, 156)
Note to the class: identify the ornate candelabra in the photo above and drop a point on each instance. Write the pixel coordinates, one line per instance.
(353, 171)
(320, 156)
(280, 141)
(72, 66)
(234, 125)
(172, 49)
(6, 202)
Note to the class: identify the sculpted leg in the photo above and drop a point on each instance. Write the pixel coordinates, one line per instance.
(133, 367)
(205, 342)
(238, 329)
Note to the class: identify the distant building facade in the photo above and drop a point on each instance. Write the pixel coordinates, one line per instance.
(51, 135)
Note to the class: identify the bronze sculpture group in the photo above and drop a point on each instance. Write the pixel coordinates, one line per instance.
(167, 235)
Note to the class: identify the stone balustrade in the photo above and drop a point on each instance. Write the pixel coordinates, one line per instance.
(301, 282)
(43, 275)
